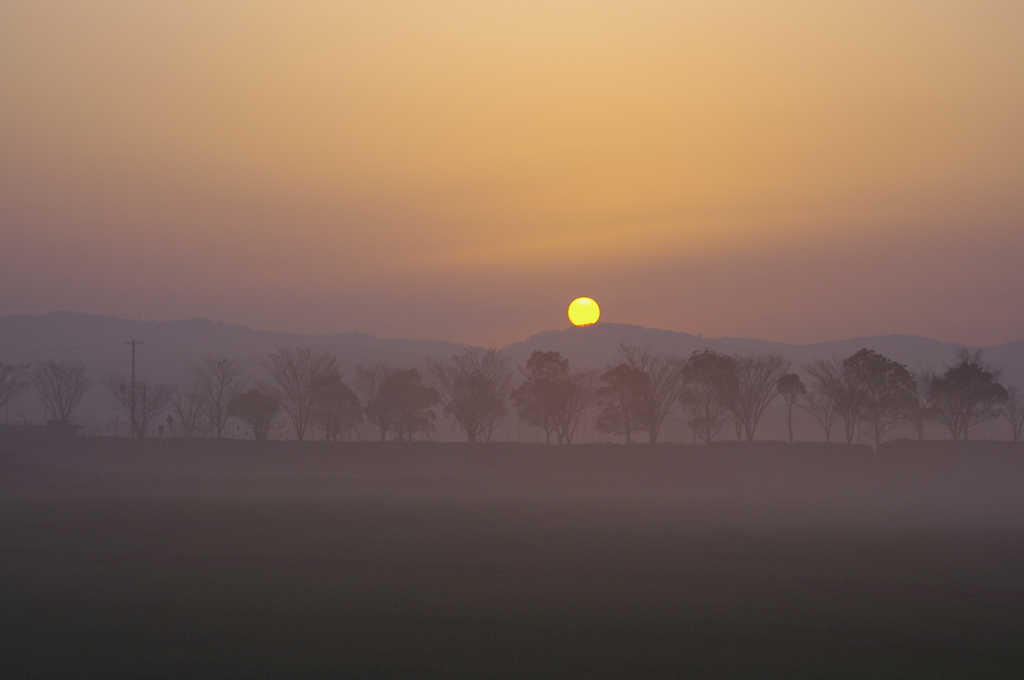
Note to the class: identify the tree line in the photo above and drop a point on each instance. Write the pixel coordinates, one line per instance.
(304, 388)
(476, 388)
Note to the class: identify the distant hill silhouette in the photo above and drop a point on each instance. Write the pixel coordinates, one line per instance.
(596, 346)
(171, 346)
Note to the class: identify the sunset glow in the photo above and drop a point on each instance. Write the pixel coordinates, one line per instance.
(287, 387)
(392, 167)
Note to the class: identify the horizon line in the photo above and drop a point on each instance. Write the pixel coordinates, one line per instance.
(569, 328)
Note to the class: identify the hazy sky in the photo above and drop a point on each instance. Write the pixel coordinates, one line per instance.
(798, 170)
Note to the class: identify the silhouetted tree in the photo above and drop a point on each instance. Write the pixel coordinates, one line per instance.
(837, 382)
(620, 400)
(708, 389)
(659, 390)
(967, 393)
(61, 385)
(294, 373)
(336, 409)
(693, 420)
(887, 391)
(919, 408)
(220, 380)
(536, 400)
(790, 387)
(552, 397)
(12, 382)
(188, 403)
(757, 379)
(256, 409)
(821, 407)
(1013, 411)
(151, 401)
(580, 395)
(411, 403)
(473, 387)
(380, 411)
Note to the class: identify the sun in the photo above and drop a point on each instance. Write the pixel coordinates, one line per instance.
(583, 311)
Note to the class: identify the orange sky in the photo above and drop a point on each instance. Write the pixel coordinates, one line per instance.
(798, 170)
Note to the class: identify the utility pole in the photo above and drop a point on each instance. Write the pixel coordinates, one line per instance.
(133, 342)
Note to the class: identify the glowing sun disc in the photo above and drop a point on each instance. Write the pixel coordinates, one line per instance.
(583, 311)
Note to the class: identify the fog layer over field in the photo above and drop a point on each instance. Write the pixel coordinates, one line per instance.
(512, 561)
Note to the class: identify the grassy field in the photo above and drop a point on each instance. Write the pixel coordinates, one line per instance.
(725, 566)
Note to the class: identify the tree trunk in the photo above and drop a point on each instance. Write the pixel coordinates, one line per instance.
(789, 423)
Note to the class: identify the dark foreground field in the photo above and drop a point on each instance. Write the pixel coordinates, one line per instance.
(519, 563)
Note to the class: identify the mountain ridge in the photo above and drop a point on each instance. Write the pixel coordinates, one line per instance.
(24, 337)
(172, 346)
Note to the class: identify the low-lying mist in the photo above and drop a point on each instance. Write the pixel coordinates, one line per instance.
(439, 560)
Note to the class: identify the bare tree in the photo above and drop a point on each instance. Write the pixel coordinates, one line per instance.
(790, 387)
(12, 382)
(693, 420)
(256, 409)
(757, 379)
(151, 401)
(620, 400)
(967, 393)
(553, 397)
(189, 404)
(821, 407)
(1013, 411)
(396, 400)
(659, 390)
(580, 395)
(919, 409)
(708, 388)
(337, 409)
(835, 381)
(410, 402)
(474, 386)
(887, 391)
(538, 399)
(294, 373)
(379, 410)
(61, 386)
(220, 380)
